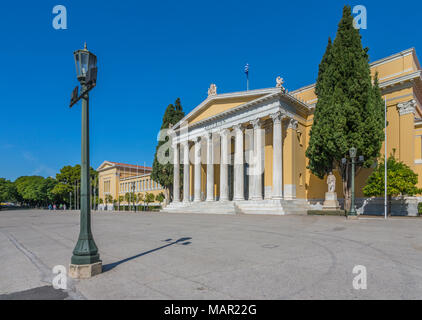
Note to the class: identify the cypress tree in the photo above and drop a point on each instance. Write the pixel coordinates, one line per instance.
(163, 173)
(349, 108)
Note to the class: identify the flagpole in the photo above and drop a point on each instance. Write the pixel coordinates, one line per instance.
(385, 161)
(247, 76)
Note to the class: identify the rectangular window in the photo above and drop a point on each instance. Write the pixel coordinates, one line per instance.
(107, 186)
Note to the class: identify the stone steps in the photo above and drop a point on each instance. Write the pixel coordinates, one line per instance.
(203, 207)
(279, 207)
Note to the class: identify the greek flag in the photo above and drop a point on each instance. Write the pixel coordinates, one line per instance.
(247, 68)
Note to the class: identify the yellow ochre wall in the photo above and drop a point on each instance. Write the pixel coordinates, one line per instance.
(126, 176)
(401, 134)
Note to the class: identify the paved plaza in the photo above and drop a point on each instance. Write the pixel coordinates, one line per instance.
(194, 256)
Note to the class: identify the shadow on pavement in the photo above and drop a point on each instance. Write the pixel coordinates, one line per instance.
(181, 241)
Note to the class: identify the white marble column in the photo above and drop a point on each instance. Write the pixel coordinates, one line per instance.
(197, 175)
(210, 168)
(250, 138)
(277, 156)
(224, 162)
(290, 188)
(239, 192)
(176, 174)
(186, 173)
(258, 157)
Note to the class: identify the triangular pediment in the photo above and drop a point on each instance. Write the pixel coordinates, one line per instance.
(105, 165)
(217, 104)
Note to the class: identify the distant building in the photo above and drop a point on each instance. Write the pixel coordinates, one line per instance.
(118, 179)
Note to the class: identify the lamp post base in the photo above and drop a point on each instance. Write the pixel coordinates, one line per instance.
(85, 271)
(353, 217)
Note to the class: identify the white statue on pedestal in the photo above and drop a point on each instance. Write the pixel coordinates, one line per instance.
(212, 91)
(331, 202)
(331, 181)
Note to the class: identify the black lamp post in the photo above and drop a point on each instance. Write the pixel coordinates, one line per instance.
(353, 153)
(86, 251)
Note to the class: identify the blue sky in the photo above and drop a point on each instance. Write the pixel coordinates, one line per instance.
(150, 53)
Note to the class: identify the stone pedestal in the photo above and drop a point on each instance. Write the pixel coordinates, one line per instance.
(85, 271)
(331, 202)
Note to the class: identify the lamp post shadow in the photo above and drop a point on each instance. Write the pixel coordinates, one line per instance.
(182, 241)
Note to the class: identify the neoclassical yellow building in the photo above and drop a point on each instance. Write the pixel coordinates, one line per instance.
(117, 179)
(245, 151)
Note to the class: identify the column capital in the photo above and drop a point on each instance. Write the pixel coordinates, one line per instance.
(278, 116)
(293, 124)
(407, 107)
(238, 126)
(208, 135)
(197, 140)
(257, 123)
(224, 132)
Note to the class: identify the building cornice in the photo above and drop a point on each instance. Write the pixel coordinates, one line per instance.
(417, 75)
(373, 64)
(114, 165)
(278, 94)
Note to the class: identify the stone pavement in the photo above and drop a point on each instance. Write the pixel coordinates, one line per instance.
(199, 256)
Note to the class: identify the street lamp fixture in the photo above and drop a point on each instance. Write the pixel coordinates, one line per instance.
(86, 72)
(353, 152)
(85, 261)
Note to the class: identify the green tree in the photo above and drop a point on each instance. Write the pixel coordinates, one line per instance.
(109, 199)
(160, 197)
(71, 176)
(7, 191)
(47, 194)
(149, 198)
(401, 181)
(61, 192)
(349, 111)
(127, 197)
(30, 190)
(141, 199)
(121, 199)
(163, 172)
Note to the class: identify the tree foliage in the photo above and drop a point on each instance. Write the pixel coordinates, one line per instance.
(160, 197)
(401, 180)
(38, 191)
(8, 191)
(349, 112)
(149, 198)
(35, 190)
(163, 173)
